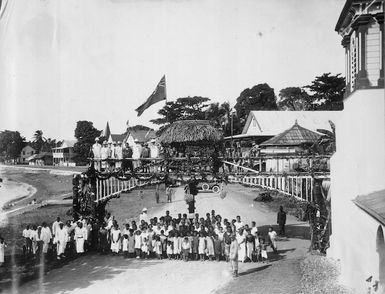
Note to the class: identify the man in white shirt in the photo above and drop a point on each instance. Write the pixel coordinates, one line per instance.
(46, 237)
(104, 154)
(254, 228)
(119, 154)
(96, 150)
(238, 224)
(27, 239)
(80, 237)
(55, 226)
(61, 239)
(143, 216)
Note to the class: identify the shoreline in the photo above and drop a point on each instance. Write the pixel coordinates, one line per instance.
(12, 192)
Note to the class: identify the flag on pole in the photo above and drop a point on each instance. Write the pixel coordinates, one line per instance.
(158, 95)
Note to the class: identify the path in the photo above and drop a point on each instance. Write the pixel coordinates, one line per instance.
(113, 274)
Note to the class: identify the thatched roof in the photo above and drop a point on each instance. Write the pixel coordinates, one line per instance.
(191, 131)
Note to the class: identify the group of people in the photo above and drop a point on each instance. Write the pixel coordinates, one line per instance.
(208, 237)
(116, 155)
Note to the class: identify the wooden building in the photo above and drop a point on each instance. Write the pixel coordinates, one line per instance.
(26, 152)
(64, 154)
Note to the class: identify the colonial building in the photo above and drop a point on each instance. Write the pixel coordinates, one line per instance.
(281, 149)
(263, 125)
(26, 152)
(64, 154)
(358, 166)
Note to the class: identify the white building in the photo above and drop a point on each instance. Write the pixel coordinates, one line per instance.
(63, 155)
(25, 153)
(358, 166)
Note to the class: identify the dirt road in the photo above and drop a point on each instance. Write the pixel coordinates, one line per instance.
(113, 274)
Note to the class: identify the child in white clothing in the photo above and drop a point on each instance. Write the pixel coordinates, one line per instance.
(125, 246)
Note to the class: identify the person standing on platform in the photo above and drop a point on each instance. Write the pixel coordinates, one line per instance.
(104, 153)
(127, 155)
(96, 151)
(281, 220)
(119, 155)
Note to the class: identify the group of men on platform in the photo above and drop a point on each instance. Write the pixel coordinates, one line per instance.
(101, 153)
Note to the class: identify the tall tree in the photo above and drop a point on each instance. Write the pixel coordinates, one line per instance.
(85, 133)
(259, 97)
(182, 109)
(38, 140)
(327, 92)
(11, 143)
(294, 98)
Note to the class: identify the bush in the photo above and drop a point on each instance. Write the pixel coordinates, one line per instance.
(264, 197)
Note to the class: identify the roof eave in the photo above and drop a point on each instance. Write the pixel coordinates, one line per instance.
(369, 211)
(344, 12)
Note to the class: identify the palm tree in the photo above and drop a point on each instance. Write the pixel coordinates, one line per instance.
(38, 140)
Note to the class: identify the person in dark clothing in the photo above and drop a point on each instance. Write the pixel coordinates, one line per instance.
(127, 155)
(281, 220)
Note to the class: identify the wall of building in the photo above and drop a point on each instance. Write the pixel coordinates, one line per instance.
(357, 171)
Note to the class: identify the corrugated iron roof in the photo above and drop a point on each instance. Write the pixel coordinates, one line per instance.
(271, 123)
(143, 135)
(296, 135)
(373, 204)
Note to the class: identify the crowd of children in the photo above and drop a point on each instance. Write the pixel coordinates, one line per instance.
(179, 238)
(187, 239)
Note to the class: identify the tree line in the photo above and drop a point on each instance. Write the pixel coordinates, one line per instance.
(325, 92)
(11, 144)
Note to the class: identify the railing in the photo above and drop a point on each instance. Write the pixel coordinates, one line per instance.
(108, 188)
(298, 185)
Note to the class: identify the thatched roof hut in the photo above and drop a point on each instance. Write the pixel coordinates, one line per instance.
(194, 132)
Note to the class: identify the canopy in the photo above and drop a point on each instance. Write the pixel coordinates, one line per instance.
(193, 132)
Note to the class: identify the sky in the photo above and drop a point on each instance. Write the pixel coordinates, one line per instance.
(62, 61)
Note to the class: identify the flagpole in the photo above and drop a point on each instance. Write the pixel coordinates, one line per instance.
(165, 87)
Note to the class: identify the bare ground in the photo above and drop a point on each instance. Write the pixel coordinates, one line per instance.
(113, 274)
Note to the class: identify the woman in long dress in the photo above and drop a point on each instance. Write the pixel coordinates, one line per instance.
(241, 239)
(115, 239)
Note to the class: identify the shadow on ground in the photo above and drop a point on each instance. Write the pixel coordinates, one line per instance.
(299, 231)
(88, 269)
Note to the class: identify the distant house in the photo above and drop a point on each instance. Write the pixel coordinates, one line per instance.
(64, 154)
(294, 141)
(136, 138)
(42, 158)
(26, 152)
(117, 138)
